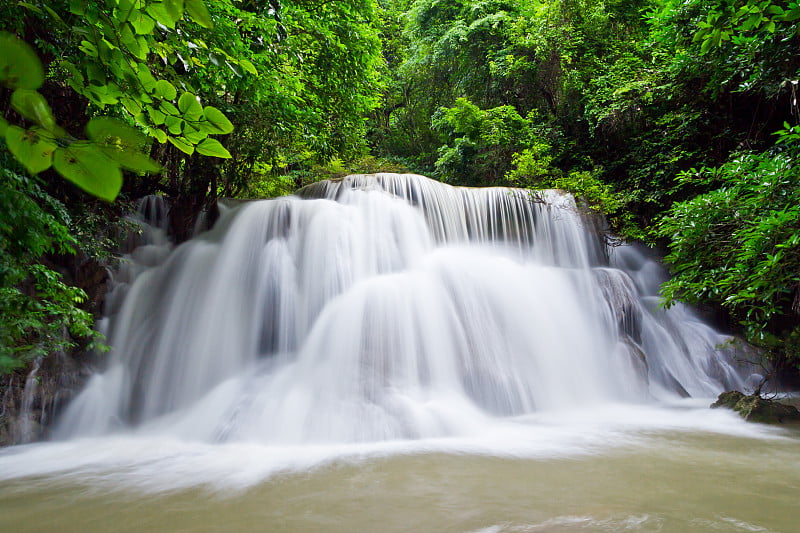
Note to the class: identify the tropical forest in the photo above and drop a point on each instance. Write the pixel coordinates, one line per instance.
(399, 265)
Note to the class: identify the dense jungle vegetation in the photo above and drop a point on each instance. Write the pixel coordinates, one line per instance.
(676, 118)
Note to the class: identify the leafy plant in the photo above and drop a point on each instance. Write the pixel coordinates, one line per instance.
(738, 246)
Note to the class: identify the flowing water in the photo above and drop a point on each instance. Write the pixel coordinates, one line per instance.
(388, 353)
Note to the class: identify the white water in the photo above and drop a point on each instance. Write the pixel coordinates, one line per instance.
(383, 315)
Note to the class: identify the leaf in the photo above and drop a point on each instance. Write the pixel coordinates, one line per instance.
(248, 66)
(212, 147)
(31, 7)
(169, 109)
(20, 67)
(218, 120)
(3, 126)
(198, 13)
(174, 8)
(190, 107)
(142, 23)
(174, 124)
(121, 143)
(56, 16)
(86, 166)
(33, 106)
(30, 148)
(181, 144)
(159, 12)
(159, 135)
(165, 90)
(156, 116)
(193, 134)
(146, 78)
(131, 106)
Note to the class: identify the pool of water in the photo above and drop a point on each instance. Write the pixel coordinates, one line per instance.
(679, 469)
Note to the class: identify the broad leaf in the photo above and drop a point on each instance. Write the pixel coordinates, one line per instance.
(248, 66)
(174, 8)
(181, 144)
(121, 143)
(165, 90)
(190, 107)
(159, 12)
(218, 120)
(198, 12)
(30, 148)
(213, 148)
(33, 106)
(20, 67)
(85, 165)
(142, 23)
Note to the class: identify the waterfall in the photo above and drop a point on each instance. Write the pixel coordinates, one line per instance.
(390, 306)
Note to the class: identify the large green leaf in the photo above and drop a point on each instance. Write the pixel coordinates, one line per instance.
(33, 106)
(190, 107)
(198, 12)
(213, 148)
(181, 144)
(217, 120)
(165, 90)
(121, 143)
(20, 67)
(85, 165)
(174, 8)
(31, 148)
(142, 22)
(162, 15)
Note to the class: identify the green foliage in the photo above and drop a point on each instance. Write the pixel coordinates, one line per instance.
(39, 314)
(738, 245)
(480, 142)
(93, 165)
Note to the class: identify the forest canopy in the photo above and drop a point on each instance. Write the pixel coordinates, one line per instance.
(676, 119)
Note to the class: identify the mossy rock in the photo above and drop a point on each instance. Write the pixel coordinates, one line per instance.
(728, 399)
(754, 408)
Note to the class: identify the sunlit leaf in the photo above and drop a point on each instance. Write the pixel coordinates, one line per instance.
(174, 8)
(142, 23)
(156, 116)
(165, 90)
(190, 107)
(20, 67)
(125, 145)
(85, 165)
(248, 66)
(212, 147)
(33, 106)
(160, 13)
(31, 147)
(181, 144)
(198, 12)
(218, 120)
(146, 78)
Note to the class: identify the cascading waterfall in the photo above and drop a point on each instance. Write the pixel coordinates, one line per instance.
(386, 307)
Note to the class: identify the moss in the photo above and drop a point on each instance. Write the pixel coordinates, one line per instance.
(754, 408)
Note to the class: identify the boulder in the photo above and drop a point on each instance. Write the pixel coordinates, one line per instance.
(754, 408)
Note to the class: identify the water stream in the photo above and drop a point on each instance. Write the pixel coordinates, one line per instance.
(388, 353)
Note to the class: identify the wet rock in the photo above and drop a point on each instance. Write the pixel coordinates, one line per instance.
(754, 408)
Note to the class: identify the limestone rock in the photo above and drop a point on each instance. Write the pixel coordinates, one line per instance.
(754, 408)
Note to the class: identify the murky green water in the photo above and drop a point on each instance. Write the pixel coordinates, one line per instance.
(670, 482)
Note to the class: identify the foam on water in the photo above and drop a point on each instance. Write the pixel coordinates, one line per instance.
(383, 314)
